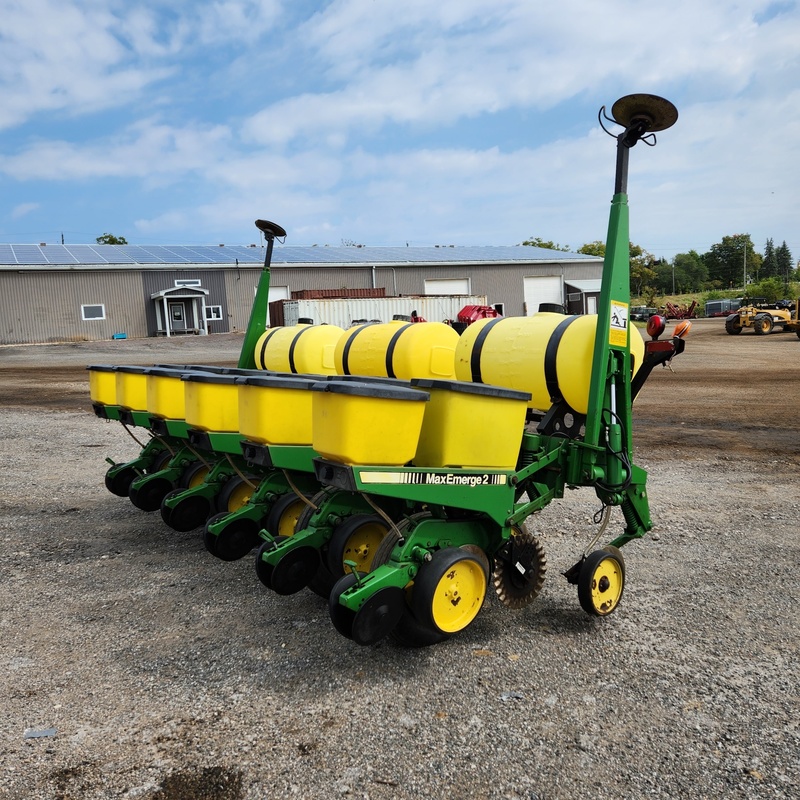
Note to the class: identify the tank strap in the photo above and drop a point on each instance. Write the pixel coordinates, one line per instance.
(263, 350)
(477, 348)
(347, 345)
(292, 367)
(550, 371)
(390, 350)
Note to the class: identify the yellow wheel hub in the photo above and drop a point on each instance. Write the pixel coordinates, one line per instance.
(458, 596)
(288, 519)
(239, 496)
(361, 546)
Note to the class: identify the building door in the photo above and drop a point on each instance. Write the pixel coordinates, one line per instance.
(544, 289)
(177, 315)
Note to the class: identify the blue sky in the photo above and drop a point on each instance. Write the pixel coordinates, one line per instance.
(466, 122)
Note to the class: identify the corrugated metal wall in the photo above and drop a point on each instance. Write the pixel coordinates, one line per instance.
(46, 306)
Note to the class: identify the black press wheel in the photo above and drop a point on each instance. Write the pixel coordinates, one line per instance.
(264, 570)
(234, 541)
(295, 570)
(601, 581)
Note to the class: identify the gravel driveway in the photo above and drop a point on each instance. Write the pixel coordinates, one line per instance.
(135, 665)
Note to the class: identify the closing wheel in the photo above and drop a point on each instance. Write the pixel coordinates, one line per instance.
(379, 615)
(188, 514)
(295, 570)
(341, 616)
(149, 495)
(601, 582)
(356, 539)
(264, 570)
(236, 493)
(193, 475)
(234, 541)
(449, 590)
(120, 482)
(283, 515)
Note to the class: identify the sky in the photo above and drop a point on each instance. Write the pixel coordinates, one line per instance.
(380, 122)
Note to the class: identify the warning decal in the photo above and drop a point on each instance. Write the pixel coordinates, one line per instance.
(618, 332)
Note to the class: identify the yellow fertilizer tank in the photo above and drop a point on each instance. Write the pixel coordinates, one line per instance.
(299, 349)
(103, 384)
(471, 425)
(367, 423)
(548, 355)
(398, 349)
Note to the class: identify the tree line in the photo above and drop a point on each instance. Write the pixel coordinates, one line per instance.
(733, 264)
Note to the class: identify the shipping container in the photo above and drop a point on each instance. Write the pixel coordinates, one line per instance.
(345, 311)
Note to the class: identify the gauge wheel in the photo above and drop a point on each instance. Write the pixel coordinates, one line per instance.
(601, 582)
(283, 515)
(449, 590)
(236, 493)
(355, 539)
(160, 461)
(193, 475)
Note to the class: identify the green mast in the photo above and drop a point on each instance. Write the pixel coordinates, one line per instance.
(258, 314)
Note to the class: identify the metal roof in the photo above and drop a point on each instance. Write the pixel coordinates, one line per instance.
(98, 255)
(586, 286)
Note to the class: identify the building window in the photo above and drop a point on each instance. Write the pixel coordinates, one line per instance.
(188, 282)
(213, 313)
(97, 311)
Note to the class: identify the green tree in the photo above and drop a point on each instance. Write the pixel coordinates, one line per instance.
(596, 248)
(109, 238)
(690, 272)
(769, 267)
(731, 260)
(539, 242)
(771, 289)
(785, 270)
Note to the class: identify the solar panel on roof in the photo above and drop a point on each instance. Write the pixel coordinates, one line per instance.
(29, 254)
(59, 254)
(7, 254)
(85, 254)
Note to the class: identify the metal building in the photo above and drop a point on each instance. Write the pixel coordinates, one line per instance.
(52, 293)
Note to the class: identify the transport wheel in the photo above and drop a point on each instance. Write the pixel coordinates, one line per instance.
(120, 482)
(188, 514)
(234, 541)
(148, 497)
(235, 494)
(284, 514)
(449, 590)
(295, 570)
(264, 570)
(193, 475)
(601, 582)
(355, 539)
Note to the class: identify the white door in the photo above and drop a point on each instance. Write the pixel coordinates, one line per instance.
(544, 289)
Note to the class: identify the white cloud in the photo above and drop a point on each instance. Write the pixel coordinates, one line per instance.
(23, 209)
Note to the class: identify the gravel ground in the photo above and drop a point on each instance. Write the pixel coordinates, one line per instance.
(135, 665)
